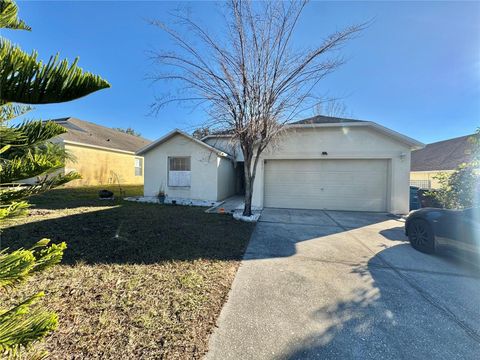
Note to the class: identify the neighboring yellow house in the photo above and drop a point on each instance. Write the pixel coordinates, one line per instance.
(102, 155)
(440, 157)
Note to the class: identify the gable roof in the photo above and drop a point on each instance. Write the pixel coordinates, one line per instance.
(442, 155)
(328, 121)
(88, 133)
(319, 119)
(322, 119)
(180, 132)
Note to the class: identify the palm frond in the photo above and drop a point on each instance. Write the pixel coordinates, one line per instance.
(14, 192)
(8, 134)
(27, 151)
(15, 267)
(9, 111)
(13, 209)
(47, 256)
(22, 325)
(32, 135)
(37, 164)
(24, 79)
(9, 16)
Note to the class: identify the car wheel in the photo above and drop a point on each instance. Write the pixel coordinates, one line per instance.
(421, 237)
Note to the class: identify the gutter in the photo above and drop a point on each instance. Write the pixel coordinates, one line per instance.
(98, 147)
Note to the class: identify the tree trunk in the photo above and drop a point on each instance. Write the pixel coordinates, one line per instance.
(247, 210)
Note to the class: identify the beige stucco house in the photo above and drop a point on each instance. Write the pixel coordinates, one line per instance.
(319, 163)
(439, 157)
(101, 155)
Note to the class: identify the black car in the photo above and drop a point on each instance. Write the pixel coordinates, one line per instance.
(431, 229)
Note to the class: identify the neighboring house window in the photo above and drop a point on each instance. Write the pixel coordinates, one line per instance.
(179, 171)
(138, 166)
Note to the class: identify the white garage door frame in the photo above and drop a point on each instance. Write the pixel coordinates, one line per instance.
(386, 192)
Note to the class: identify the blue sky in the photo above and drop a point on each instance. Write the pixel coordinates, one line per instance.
(416, 69)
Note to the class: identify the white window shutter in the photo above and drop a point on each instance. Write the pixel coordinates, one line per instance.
(179, 178)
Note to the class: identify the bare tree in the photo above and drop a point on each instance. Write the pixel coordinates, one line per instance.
(251, 78)
(201, 132)
(332, 107)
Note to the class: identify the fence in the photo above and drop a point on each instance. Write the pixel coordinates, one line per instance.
(422, 184)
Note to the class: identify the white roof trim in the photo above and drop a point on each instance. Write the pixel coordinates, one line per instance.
(97, 147)
(414, 144)
(215, 136)
(180, 132)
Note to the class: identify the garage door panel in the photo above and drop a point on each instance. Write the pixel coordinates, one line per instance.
(326, 184)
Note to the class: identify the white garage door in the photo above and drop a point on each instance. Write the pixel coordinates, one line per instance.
(359, 185)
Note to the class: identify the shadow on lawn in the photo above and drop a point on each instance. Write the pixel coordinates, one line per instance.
(69, 198)
(137, 233)
(131, 232)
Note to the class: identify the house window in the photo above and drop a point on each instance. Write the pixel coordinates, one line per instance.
(179, 173)
(138, 166)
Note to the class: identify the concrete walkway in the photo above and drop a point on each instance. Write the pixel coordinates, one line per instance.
(343, 285)
(229, 205)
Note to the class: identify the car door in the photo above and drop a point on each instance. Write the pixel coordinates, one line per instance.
(446, 226)
(469, 241)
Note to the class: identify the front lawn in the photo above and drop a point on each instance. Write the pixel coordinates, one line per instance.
(137, 280)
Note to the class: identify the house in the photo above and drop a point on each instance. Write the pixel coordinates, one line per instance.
(439, 157)
(318, 163)
(101, 155)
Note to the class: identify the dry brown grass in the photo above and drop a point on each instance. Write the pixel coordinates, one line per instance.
(138, 281)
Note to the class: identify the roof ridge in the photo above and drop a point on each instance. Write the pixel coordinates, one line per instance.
(172, 133)
(89, 133)
(327, 117)
(121, 133)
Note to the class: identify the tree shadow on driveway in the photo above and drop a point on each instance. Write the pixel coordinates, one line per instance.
(284, 233)
(400, 314)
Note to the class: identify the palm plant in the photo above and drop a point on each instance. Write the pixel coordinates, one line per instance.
(26, 152)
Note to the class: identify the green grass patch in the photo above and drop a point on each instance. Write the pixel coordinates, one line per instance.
(137, 280)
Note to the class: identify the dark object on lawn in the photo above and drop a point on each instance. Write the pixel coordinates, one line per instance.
(430, 230)
(174, 202)
(105, 194)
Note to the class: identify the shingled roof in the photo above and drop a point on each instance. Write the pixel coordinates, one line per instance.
(88, 133)
(442, 155)
(319, 119)
(322, 119)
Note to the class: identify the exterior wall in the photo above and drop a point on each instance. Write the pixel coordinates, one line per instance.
(343, 143)
(226, 178)
(203, 165)
(225, 144)
(98, 166)
(429, 175)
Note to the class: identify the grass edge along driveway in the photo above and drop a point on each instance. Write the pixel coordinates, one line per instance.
(141, 281)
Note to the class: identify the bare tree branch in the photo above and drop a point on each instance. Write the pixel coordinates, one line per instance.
(253, 79)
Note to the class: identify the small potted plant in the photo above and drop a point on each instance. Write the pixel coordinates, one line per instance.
(161, 194)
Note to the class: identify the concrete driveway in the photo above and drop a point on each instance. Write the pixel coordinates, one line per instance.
(345, 285)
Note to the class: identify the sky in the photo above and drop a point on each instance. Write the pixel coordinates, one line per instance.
(415, 69)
